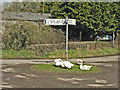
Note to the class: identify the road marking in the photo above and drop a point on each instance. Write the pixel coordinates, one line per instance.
(8, 70)
(69, 79)
(108, 65)
(110, 85)
(95, 85)
(6, 85)
(29, 75)
(100, 81)
(74, 80)
(21, 76)
(78, 79)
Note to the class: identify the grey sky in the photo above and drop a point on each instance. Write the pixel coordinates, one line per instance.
(1, 1)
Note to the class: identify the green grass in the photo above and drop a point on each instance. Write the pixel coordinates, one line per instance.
(77, 53)
(74, 70)
(81, 53)
(17, 54)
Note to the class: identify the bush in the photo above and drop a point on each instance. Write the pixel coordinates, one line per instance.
(51, 36)
(18, 34)
(15, 35)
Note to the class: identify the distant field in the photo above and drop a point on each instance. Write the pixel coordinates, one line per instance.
(60, 53)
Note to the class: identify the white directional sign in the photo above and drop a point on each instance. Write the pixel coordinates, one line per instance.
(59, 21)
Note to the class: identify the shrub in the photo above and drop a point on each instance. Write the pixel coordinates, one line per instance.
(18, 35)
(52, 36)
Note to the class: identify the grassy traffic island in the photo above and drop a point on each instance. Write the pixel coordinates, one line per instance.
(73, 70)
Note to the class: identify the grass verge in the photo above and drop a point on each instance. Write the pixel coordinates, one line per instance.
(17, 54)
(77, 53)
(73, 70)
(81, 53)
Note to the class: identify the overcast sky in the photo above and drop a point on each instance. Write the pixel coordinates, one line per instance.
(5, 1)
(1, 1)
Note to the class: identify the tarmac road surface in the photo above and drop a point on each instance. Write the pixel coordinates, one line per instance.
(22, 76)
(43, 61)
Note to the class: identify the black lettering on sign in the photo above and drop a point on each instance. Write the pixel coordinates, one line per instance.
(57, 21)
(44, 21)
(69, 21)
(64, 22)
(52, 21)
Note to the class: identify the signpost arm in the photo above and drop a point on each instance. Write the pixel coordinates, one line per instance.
(67, 38)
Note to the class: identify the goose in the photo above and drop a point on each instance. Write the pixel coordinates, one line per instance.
(83, 67)
(62, 64)
(67, 64)
(78, 61)
(57, 62)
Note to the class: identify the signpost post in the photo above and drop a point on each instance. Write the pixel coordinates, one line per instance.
(62, 22)
(67, 38)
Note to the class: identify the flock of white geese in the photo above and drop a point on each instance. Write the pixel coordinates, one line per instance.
(69, 65)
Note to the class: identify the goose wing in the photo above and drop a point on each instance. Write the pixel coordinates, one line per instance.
(57, 60)
(85, 67)
(68, 64)
(57, 63)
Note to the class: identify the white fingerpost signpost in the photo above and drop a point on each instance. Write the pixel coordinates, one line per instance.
(62, 22)
(67, 38)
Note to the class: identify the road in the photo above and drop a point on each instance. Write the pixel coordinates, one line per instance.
(43, 61)
(20, 75)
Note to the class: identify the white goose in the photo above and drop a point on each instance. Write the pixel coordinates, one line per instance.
(57, 62)
(78, 61)
(67, 64)
(83, 67)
